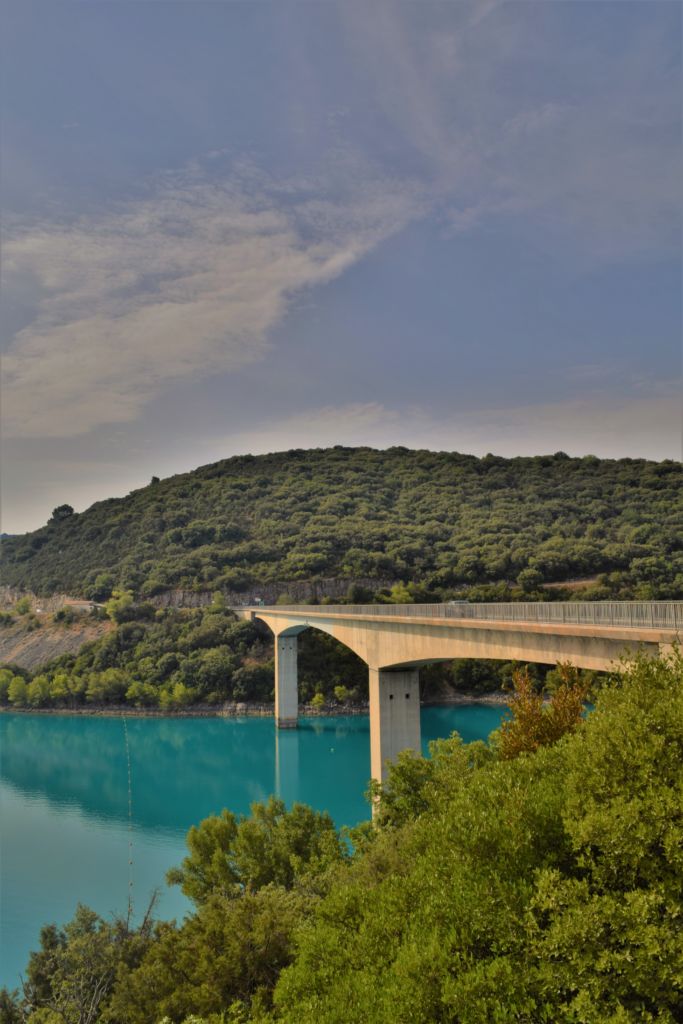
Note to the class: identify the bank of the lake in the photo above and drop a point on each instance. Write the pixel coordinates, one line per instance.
(64, 798)
(247, 710)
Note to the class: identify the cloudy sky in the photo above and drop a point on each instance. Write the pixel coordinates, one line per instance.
(250, 226)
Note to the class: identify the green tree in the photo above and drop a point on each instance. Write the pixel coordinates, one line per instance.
(70, 978)
(17, 692)
(61, 513)
(544, 888)
(6, 677)
(400, 594)
(273, 846)
(142, 695)
(59, 689)
(119, 605)
(102, 587)
(38, 693)
(177, 696)
(108, 687)
(530, 580)
(10, 1009)
(224, 957)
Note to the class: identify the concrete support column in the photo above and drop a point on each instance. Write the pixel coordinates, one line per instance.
(394, 716)
(286, 682)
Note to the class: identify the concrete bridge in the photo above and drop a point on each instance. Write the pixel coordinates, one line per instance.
(394, 640)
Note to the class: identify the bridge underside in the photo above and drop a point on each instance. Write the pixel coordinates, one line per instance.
(394, 648)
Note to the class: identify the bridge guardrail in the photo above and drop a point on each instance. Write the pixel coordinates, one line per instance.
(637, 614)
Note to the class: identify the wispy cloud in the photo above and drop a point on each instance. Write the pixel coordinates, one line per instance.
(183, 284)
(191, 279)
(588, 154)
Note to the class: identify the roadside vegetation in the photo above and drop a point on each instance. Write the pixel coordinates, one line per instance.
(534, 879)
(440, 519)
(176, 659)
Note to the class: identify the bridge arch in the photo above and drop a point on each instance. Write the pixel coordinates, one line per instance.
(394, 641)
(286, 628)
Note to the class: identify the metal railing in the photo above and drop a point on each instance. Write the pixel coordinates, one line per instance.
(639, 614)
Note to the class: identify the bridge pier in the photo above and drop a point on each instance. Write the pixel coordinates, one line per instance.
(286, 682)
(394, 716)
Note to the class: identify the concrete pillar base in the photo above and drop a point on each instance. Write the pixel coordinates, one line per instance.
(394, 716)
(286, 682)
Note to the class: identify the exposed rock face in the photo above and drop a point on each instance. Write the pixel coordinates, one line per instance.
(298, 590)
(31, 648)
(10, 595)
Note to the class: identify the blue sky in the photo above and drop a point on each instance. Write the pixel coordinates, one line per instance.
(236, 227)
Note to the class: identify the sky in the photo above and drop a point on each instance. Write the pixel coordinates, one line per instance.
(250, 226)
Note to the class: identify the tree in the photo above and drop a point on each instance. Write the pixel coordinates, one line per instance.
(400, 594)
(17, 692)
(530, 580)
(534, 721)
(38, 693)
(177, 696)
(223, 958)
(60, 691)
(102, 586)
(61, 513)
(119, 605)
(108, 687)
(543, 888)
(218, 603)
(70, 978)
(273, 846)
(10, 1010)
(6, 677)
(142, 695)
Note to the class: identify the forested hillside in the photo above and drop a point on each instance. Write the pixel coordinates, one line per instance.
(440, 518)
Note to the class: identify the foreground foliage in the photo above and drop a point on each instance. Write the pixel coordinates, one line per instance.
(440, 518)
(541, 887)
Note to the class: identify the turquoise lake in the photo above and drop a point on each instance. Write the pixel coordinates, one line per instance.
(64, 800)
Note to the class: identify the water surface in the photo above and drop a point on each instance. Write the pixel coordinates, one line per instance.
(64, 800)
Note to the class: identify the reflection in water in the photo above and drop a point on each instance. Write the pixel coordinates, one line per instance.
(183, 769)
(287, 765)
(65, 800)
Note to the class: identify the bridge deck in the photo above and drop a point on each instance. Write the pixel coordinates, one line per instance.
(666, 615)
(396, 640)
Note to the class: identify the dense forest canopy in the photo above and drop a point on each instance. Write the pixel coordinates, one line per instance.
(441, 518)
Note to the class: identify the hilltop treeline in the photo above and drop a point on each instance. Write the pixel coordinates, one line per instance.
(511, 882)
(440, 518)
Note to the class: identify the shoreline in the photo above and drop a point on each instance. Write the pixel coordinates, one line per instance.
(249, 710)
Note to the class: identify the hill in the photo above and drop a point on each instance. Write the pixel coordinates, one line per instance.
(441, 519)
